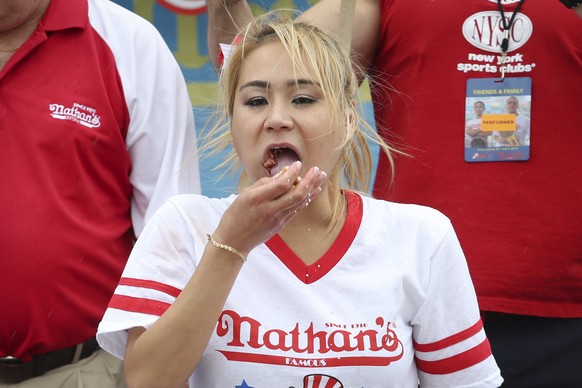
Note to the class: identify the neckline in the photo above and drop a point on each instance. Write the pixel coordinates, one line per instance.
(311, 273)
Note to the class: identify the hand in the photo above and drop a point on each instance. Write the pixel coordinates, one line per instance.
(262, 209)
(500, 139)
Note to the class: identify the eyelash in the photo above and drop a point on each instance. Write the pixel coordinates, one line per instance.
(304, 100)
(258, 101)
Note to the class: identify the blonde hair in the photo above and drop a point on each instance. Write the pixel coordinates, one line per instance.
(309, 48)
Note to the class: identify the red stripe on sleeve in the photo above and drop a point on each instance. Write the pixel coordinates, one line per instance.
(138, 305)
(458, 362)
(153, 285)
(452, 340)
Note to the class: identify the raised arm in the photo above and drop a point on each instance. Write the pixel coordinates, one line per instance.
(365, 27)
(226, 16)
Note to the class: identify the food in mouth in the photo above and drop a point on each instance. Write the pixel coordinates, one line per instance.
(278, 159)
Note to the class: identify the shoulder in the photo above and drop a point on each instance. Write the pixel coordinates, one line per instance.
(195, 211)
(183, 218)
(408, 226)
(121, 28)
(405, 212)
(106, 9)
(198, 204)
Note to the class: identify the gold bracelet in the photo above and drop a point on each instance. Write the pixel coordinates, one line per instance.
(226, 247)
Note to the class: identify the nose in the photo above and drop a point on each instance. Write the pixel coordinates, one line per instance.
(279, 117)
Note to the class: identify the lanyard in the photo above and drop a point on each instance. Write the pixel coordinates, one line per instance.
(506, 27)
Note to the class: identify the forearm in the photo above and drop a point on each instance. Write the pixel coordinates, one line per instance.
(472, 132)
(365, 26)
(226, 17)
(168, 352)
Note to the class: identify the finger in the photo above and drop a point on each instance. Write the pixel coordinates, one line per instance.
(302, 193)
(248, 217)
(261, 199)
(293, 212)
(267, 189)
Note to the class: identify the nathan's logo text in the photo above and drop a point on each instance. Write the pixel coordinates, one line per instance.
(79, 113)
(353, 344)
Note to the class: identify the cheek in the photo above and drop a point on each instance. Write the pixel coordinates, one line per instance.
(240, 144)
(243, 120)
(328, 147)
(243, 138)
(239, 130)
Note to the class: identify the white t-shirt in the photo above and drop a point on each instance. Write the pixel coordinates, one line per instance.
(389, 303)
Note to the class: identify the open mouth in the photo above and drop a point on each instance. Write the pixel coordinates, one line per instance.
(278, 158)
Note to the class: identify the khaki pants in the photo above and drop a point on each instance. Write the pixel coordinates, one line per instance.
(100, 370)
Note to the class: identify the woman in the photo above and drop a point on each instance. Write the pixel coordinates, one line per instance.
(311, 283)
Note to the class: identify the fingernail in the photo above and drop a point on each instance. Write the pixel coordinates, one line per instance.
(283, 171)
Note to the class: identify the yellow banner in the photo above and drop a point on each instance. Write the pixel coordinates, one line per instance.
(498, 122)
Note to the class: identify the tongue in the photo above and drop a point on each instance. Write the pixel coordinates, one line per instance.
(284, 159)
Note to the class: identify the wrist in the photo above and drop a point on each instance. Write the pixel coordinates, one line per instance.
(226, 247)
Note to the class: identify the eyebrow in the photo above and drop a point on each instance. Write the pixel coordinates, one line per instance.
(265, 84)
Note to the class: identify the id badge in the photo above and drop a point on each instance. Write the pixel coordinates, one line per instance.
(497, 119)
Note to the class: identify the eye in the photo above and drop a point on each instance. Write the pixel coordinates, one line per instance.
(256, 101)
(304, 100)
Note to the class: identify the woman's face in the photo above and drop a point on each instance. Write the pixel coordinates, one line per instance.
(280, 116)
